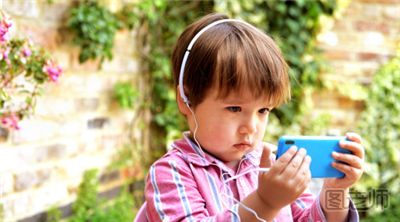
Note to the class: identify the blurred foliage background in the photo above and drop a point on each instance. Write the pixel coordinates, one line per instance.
(379, 127)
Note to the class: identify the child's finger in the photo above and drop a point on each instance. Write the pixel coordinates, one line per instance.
(350, 159)
(304, 173)
(284, 160)
(295, 163)
(356, 148)
(351, 173)
(272, 156)
(354, 137)
(265, 161)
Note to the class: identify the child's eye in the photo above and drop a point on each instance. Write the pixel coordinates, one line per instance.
(234, 108)
(264, 111)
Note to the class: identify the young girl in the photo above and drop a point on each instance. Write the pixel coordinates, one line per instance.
(229, 76)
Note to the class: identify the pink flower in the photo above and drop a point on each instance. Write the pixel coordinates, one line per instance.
(54, 71)
(3, 32)
(26, 51)
(5, 25)
(10, 121)
(6, 22)
(4, 55)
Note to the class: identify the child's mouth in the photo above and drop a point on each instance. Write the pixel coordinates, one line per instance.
(242, 146)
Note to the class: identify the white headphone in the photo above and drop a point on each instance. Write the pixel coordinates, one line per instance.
(185, 57)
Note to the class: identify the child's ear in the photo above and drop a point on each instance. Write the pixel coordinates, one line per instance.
(181, 105)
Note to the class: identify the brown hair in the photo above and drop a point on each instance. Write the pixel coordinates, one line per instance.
(230, 56)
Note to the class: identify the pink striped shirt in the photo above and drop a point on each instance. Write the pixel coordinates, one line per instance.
(186, 184)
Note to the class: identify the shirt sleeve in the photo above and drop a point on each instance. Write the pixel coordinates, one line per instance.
(172, 195)
(308, 208)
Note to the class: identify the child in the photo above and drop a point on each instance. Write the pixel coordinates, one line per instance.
(229, 76)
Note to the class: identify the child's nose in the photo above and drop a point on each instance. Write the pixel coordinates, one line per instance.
(249, 125)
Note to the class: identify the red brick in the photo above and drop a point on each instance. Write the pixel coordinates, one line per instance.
(359, 105)
(345, 103)
(342, 25)
(88, 66)
(368, 56)
(46, 37)
(371, 26)
(337, 55)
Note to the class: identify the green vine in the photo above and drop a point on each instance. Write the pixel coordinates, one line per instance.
(86, 202)
(125, 94)
(53, 214)
(158, 24)
(88, 207)
(94, 28)
(133, 153)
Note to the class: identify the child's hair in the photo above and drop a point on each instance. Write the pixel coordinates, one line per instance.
(230, 56)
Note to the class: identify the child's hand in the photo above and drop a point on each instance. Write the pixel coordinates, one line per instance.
(353, 163)
(287, 178)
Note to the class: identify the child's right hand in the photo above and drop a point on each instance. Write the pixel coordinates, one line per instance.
(286, 180)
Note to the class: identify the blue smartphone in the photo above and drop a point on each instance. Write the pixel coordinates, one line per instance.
(319, 148)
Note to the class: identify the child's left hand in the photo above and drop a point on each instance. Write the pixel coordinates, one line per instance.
(353, 163)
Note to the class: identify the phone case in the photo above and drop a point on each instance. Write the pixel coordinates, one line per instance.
(319, 148)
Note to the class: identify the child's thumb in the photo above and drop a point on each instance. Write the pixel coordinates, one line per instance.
(265, 161)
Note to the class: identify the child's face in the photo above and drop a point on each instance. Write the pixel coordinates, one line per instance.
(231, 127)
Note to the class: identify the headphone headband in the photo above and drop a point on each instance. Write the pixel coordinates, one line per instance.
(185, 57)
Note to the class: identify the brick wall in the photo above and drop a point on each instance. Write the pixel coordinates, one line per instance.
(356, 44)
(76, 127)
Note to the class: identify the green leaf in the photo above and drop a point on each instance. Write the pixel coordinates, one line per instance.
(94, 27)
(125, 94)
